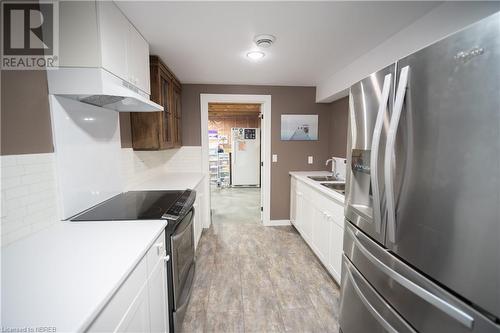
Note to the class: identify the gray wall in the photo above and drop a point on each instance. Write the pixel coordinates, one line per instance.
(292, 155)
(25, 116)
(338, 127)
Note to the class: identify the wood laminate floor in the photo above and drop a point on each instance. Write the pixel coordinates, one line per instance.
(252, 278)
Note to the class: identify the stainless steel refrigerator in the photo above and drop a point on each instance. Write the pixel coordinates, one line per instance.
(422, 235)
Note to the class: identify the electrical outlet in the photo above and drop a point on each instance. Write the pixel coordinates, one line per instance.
(275, 158)
(310, 160)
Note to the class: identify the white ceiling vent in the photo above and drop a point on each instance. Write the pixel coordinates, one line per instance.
(264, 40)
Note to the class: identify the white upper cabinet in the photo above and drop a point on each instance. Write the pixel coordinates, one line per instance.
(78, 37)
(97, 34)
(114, 30)
(138, 59)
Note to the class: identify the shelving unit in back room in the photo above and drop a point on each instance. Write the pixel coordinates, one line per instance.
(213, 158)
(224, 170)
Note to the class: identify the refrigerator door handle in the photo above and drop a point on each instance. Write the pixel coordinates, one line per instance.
(388, 327)
(375, 151)
(389, 152)
(234, 151)
(451, 310)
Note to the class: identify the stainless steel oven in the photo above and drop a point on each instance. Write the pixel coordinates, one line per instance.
(182, 267)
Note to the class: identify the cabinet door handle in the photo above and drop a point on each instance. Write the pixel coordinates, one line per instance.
(159, 248)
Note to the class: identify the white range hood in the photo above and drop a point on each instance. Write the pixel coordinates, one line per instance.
(98, 87)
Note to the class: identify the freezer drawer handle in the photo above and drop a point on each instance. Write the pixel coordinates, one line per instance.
(389, 152)
(367, 304)
(375, 148)
(429, 297)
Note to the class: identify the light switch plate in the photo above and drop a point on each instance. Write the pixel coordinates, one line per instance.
(310, 160)
(275, 158)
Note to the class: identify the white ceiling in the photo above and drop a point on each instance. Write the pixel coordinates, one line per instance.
(206, 42)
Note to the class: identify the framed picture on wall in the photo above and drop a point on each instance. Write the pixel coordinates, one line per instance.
(299, 127)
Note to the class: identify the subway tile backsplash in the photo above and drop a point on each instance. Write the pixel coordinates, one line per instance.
(29, 195)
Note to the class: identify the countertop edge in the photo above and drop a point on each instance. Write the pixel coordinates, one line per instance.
(302, 176)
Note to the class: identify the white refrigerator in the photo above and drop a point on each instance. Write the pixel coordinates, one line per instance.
(245, 157)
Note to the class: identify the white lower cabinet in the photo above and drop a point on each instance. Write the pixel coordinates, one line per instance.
(140, 304)
(320, 221)
(137, 317)
(199, 209)
(293, 205)
(158, 307)
(321, 234)
(336, 238)
(308, 217)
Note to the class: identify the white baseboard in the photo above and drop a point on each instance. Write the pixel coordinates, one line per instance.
(273, 223)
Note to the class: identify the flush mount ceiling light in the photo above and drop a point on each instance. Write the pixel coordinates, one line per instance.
(264, 41)
(255, 55)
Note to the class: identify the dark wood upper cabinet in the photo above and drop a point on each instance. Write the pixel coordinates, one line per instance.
(176, 113)
(159, 130)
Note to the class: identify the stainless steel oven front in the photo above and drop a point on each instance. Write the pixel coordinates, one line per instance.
(182, 266)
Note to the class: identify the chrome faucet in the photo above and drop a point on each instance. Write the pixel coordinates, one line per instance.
(334, 167)
(330, 160)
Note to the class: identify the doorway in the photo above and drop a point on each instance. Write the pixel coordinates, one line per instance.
(234, 152)
(234, 160)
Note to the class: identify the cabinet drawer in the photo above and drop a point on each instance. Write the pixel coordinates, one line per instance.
(112, 314)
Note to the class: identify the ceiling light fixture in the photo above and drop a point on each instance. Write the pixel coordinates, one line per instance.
(255, 55)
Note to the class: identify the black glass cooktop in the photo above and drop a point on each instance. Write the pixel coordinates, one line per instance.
(133, 205)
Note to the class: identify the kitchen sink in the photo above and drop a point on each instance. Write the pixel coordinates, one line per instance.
(323, 178)
(339, 187)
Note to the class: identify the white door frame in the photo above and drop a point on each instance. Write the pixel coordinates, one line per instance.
(265, 102)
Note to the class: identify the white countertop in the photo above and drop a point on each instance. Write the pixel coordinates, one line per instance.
(169, 181)
(63, 276)
(303, 176)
